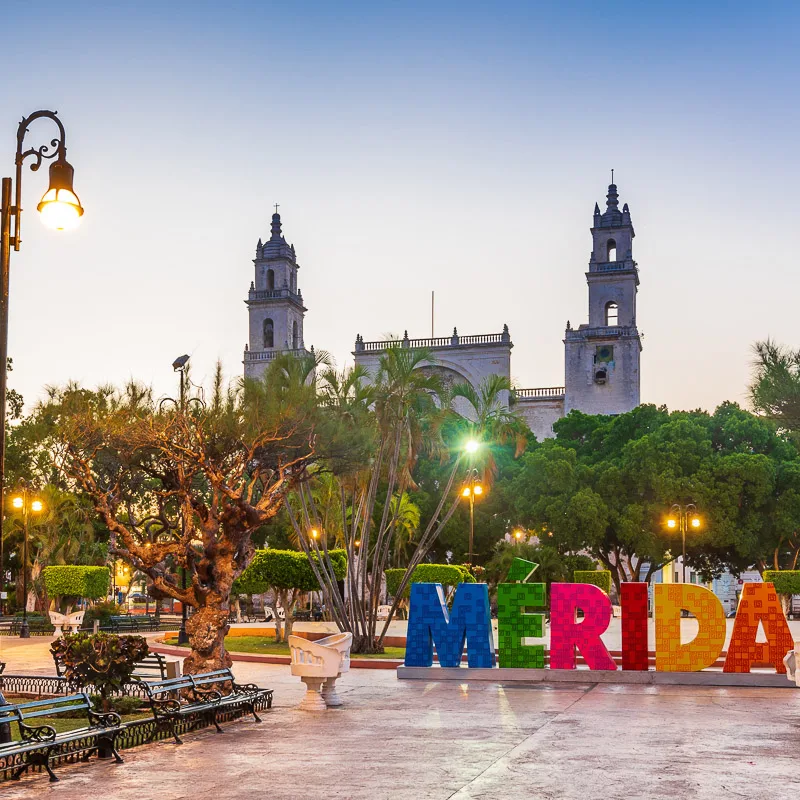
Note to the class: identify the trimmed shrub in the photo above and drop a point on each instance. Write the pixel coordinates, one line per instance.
(449, 575)
(70, 583)
(99, 660)
(285, 569)
(785, 581)
(597, 577)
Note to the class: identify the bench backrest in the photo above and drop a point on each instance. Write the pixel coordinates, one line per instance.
(9, 713)
(153, 665)
(155, 688)
(215, 676)
(54, 706)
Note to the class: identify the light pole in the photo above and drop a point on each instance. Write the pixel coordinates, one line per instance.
(26, 504)
(180, 364)
(683, 517)
(60, 209)
(472, 488)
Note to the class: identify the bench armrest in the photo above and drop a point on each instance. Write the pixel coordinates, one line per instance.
(108, 719)
(168, 705)
(207, 694)
(244, 687)
(38, 733)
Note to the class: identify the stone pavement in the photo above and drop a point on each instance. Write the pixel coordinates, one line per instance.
(398, 740)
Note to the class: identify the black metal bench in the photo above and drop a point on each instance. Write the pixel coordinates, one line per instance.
(40, 744)
(176, 699)
(36, 626)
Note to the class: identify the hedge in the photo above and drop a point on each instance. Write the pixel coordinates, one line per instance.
(285, 569)
(71, 581)
(597, 577)
(785, 581)
(446, 574)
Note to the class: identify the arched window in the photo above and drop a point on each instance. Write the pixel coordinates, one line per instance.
(611, 250)
(270, 279)
(294, 336)
(269, 334)
(612, 314)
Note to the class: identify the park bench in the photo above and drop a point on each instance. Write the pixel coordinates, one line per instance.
(175, 699)
(36, 626)
(40, 744)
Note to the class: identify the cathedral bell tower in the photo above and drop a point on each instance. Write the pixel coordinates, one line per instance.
(602, 358)
(274, 303)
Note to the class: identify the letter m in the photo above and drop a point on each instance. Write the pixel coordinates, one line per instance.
(429, 624)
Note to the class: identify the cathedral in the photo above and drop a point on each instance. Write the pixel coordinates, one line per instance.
(601, 357)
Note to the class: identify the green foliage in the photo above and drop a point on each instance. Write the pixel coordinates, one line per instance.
(101, 611)
(449, 575)
(72, 581)
(285, 569)
(785, 581)
(100, 660)
(600, 577)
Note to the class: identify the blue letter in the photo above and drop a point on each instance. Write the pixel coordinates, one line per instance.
(429, 624)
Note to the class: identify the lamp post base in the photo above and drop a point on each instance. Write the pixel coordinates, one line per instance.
(183, 637)
(24, 630)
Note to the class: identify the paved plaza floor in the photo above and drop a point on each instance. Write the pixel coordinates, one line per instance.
(398, 740)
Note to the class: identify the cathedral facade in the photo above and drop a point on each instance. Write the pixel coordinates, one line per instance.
(601, 357)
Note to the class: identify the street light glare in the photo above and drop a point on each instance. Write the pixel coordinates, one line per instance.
(472, 446)
(695, 522)
(314, 532)
(59, 206)
(17, 502)
(672, 523)
(466, 491)
(478, 489)
(37, 505)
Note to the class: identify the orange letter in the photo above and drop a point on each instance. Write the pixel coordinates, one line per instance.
(702, 651)
(759, 602)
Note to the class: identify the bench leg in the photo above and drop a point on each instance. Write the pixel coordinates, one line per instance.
(253, 712)
(216, 724)
(53, 778)
(174, 733)
(107, 747)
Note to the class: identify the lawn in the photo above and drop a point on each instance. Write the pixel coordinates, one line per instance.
(267, 646)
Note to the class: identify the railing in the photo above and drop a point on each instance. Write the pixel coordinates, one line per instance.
(615, 266)
(434, 343)
(553, 391)
(269, 355)
(576, 334)
(273, 294)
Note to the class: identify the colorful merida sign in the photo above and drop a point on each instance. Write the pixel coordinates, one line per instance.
(469, 622)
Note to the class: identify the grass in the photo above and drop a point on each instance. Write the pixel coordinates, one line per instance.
(266, 645)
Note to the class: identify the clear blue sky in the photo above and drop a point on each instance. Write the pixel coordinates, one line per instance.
(458, 147)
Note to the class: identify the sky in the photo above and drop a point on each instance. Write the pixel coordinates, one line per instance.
(413, 147)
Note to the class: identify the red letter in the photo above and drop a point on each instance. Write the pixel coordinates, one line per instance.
(759, 601)
(634, 626)
(566, 633)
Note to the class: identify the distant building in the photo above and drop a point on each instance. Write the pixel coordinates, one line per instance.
(601, 358)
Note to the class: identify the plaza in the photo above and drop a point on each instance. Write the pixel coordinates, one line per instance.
(410, 740)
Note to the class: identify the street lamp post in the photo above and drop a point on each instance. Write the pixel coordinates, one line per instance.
(683, 517)
(60, 209)
(180, 364)
(472, 488)
(25, 503)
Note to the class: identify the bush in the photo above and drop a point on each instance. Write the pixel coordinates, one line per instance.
(71, 583)
(785, 581)
(597, 577)
(449, 575)
(99, 660)
(102, 612)
(285, 569)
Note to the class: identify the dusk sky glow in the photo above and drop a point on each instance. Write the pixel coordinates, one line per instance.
(455, 147)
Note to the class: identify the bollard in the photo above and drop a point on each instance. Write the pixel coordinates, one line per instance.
(96, 626)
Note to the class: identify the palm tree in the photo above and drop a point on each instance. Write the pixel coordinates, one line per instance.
(492, 422)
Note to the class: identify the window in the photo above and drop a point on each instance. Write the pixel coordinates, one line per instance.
(269, 333)
(612, 314)
(294, 335)
(611, 250)
(270, 279)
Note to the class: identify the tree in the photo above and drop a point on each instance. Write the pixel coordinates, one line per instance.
(286, 573)
(184, 486)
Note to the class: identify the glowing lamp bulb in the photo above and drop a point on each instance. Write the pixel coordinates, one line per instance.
(314, 532)
(671, 523)
(60, 207)
(478, 489)
(695, 522)
(17, 502)
(466, 491)
(37, 506)
(471, 446)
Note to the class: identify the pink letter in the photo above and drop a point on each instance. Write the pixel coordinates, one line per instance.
(567, 633)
